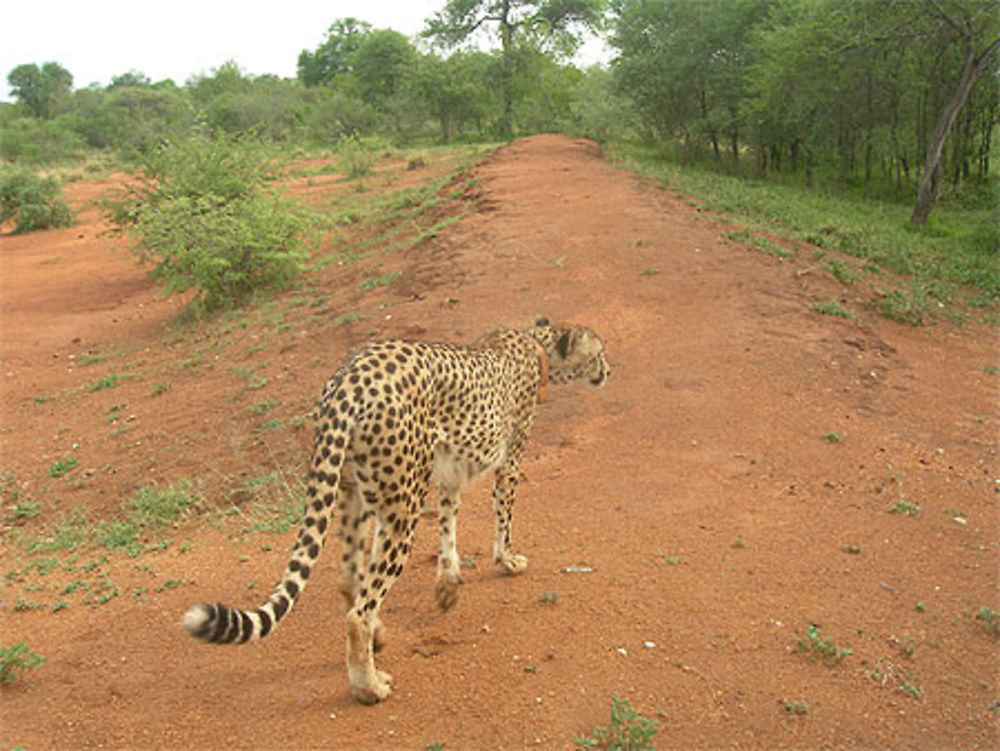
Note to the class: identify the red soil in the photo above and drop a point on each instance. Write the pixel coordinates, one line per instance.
(697, 485)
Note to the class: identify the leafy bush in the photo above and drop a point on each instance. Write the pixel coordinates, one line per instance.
(202, 212)
(32, 201)
(357, 155)
(30, 141)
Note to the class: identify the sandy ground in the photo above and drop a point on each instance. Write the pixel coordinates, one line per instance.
(702, 489)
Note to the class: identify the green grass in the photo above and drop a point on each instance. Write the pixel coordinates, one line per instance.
(904, 508)
(61, 467)
(627, 730)
(820, 647)
(990, 619)
(953, 250)
(759, 243)
(149, 508)
(109, 381)
(382, 280)
(17, 657)
(831, 308)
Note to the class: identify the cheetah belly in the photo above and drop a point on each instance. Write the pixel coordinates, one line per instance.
(455, 466)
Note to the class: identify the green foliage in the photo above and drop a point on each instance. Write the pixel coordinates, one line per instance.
(151, 505)
(17, 657)
(201, 211)
(39, 89)
(28, 140)
(523, 27)
(823, 647)
(937, 260)
(335, 55)
(628, 731)
(357, 155)
(831, 308)
(904, 508)
(990, 619)
(826, 90)
(31, 201)
(60, 467)
(381, 62)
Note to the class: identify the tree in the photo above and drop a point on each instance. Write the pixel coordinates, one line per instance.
(456, 90)
(554, 19)
(335, 55)
(130, 78)
(967, 22)
(381, 61)
(39, 88)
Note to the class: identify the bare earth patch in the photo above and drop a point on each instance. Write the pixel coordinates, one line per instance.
(730, 486)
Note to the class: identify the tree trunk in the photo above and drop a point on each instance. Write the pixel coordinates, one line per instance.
(926, 192)
(507, 69)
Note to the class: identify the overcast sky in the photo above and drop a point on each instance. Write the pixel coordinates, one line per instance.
(98, 39)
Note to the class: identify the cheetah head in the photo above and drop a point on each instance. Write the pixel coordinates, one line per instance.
(574, 352)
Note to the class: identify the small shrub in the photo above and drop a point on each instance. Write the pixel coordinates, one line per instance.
(357, 155)
(17, 657)
(628, 731)
(32, 201)
(202, 213)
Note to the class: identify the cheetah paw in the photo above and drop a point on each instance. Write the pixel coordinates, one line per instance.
(377, 690)
(446, 589)
(513, 564)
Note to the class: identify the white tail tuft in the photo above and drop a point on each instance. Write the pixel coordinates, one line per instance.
(196, 618)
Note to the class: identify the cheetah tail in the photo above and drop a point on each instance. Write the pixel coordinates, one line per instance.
(223, 624)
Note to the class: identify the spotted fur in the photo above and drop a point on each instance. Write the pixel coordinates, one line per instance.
(397, 417)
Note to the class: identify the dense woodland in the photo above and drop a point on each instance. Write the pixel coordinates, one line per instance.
(875, 94)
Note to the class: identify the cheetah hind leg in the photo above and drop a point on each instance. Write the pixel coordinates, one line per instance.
(449, 578)
(356, 530)
(368, 684)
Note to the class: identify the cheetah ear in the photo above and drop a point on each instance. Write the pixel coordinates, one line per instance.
(542, 321)
(564, 343)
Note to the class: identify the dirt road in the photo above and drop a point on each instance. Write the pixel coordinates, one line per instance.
(730, 486)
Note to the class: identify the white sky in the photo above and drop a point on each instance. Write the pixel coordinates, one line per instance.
(98, 39)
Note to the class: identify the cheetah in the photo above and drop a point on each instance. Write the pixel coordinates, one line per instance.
(397, 417)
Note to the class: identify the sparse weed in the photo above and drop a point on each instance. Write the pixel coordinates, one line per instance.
(17, 657)
(383, 280)
(990, 619)
(819, 646)
(109, 381)
(893, 676)
(795, 706)
(840, 271)
(60, 467)
(907, 509)
(759, 243)
(831, 308)
(628, 731)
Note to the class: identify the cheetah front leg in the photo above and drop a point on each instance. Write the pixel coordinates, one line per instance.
(449, 578)
(504, 487)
